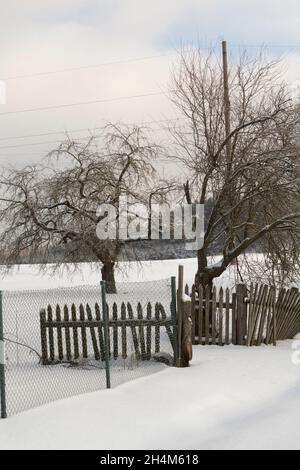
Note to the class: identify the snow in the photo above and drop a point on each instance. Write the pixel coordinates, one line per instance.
(185, 298)
(230, 398)
(26, 277)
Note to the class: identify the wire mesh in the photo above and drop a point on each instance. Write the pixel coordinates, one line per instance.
(55, 342)
(29, 382)
(141, 330)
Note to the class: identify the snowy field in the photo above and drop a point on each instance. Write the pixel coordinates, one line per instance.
(230, 398)
(28, 277)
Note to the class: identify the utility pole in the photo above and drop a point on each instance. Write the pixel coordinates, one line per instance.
(226, 102)
(227, 125)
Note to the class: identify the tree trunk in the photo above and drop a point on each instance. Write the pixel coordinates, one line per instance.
(204, 276)
(108, 275)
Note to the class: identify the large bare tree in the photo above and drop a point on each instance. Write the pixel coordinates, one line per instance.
(55, 203)
(251, 174)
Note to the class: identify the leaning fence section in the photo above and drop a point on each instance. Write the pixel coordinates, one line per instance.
(288, 314)
(248, 316)
(64, 342)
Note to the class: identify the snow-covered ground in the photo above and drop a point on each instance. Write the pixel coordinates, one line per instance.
(230, 398)
(27, 277)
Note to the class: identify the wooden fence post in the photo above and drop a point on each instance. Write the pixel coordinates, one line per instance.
(179, 313)
(45, 360)
(241, 314)
(184, 323)
(186, 341)
(234, 320)
(174, 318)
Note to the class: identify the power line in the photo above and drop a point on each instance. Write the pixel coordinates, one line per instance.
(83, 103)
(85, 67)
(45, 134)
(139, 59)
(57, 141)
(86, 129)
(271, 46)
(29, 145)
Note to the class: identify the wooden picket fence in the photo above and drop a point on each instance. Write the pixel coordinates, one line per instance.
(250, 316)
(288, 314)
(68, 335)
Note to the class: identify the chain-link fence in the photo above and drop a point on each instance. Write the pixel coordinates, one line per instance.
(141, 330)
(63, 342)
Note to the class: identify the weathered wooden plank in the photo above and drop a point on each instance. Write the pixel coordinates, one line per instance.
(100, 331)
(283, 299)
(67, 333)
(213, 315)
(251, 308)
(221, 295)
(227, 314)
(141, 333)
(193, 315)
(290, 315)
(134, 333)
(83, 332)
(256, 314)
(45, 359)
(241, 292)
(124, 336)
(200, 315)
(207, 316)
(264, 316)
(273, 331)
(270, 315)
(210, 301)
(59, 335)
(115, 331)
(127, 322)
(234, 320)
(295, 320)
(75, 333)
(180, 292)
(93, 334)
(295, 327)
(51, 334)
(261, 316)
(157, 328)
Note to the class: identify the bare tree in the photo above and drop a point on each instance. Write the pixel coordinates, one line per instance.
(254, 185)
(51, 205)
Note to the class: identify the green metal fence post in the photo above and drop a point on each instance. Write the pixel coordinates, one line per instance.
(2, 365)
(106, 333)
(174, 318)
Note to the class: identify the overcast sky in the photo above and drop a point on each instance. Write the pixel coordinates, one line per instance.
(39, 36)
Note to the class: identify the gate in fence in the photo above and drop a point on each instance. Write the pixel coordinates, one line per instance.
(249, 317)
